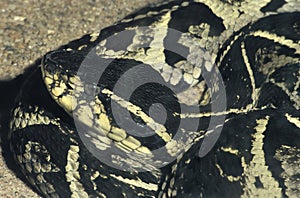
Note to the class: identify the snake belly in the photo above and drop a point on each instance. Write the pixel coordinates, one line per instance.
(255, 47)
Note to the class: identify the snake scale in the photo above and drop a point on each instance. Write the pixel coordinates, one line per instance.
(68, 132)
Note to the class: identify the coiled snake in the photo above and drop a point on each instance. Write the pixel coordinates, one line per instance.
(126, 112)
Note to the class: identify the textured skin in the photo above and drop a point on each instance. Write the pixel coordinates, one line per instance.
(256, 47)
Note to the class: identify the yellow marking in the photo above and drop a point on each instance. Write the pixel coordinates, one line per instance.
(72, 174)
(228, 48)
(115, 137)
(143, 149)
(136, 182)
(124, 147)
(95, 175)
(99, 145)
(235, 16)
(176, 147)
(104, 139)
(32, 163)
(118, 132)
(56, 76)
(82, 47)
(185, 3)
(279, 39)
(94, 36)
(104, 122)
(175, 76)
(75, 81)
(258, 168)
(230, 111)
(159, 129)
(228, 177)
(230, 150)
(68, 102)
(25, 119)
(131, 143)
(48, 81)
(255, 91)
(196, 72)
(23, 124)
(85, 115)
(155, 54)
(188, 78)
(290, 6)
(293, 120)
(36, 167)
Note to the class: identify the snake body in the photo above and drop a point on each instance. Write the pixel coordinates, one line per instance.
(255, 47)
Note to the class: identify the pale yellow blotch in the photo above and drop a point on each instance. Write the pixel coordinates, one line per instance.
(40, 179)
(196, 72)
(104, 139)
(72, 174)
(94, 36)
(293, 120)
(257, 167)
(95, 175)
(188, 78)
(75, 80)
(99, 145)
(123, 147)
(131, 142)
(46, 168)
(192, 95)
(185, 3)
(68, 102)
(23, 124)
(17, 123)
(57, 91)
(56, 77)
(230, 150)
(136, 182)
(143, 149)
(36, 167)
(176, 76)
(115, 137)
(85, 115)
(104, 123)
(48, 81)
(82, 47)
(174, 148)
(119, 132)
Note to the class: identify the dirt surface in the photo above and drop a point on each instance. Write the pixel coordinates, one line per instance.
(30, 28)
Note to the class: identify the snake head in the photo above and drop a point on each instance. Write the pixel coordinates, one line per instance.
(60, 68)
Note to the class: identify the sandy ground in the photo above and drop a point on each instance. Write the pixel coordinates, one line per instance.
(30, 28)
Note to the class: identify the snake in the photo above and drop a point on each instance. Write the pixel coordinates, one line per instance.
(183, 98)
